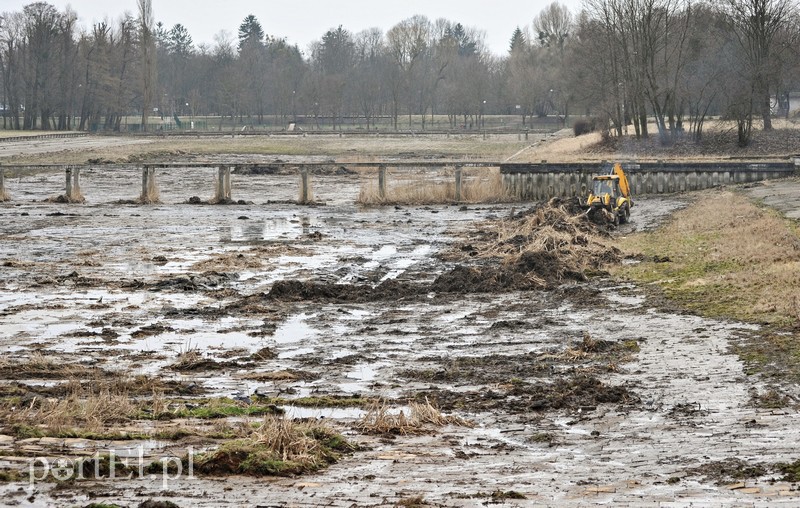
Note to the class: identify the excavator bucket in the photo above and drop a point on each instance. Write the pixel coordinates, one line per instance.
(623, 180)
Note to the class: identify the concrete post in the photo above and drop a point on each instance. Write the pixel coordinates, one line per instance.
(3, 193)
(304, 195)
(223, 184)
(76, 184)
(68, 183)
(227, 187)
(382, 182)
(458, 183)
(150, 193)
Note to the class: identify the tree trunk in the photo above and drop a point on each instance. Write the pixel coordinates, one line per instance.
(766, 113)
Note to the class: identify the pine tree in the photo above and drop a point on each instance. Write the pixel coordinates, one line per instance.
(250, 32)
(517, 42)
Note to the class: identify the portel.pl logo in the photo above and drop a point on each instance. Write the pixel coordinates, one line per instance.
(112, 465)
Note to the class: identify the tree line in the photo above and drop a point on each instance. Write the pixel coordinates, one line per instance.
(624, 63)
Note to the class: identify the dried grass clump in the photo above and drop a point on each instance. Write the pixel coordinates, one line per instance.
(288, 439)
(192, 360)
(82, 411)
(478, 186)
(39, 366)
(378, 420)
(278, 446)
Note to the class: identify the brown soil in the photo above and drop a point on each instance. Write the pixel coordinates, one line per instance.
(537, 249)
(727, 471)
(575, 393)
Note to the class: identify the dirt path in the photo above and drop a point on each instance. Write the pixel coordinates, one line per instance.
(12, 149)
(654, 409)
(783, 195)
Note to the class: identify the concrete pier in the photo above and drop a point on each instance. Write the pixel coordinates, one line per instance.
(305, 188)
(72, 185)
(3, 193)
(458, 174)
(382, 182)
(223, 193)
(150, 193)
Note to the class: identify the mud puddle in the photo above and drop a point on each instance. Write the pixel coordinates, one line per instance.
(581, 394)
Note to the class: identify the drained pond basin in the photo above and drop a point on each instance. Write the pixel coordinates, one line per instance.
(583, 392)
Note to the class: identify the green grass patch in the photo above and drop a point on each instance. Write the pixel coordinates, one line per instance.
(24, 431)
(321, 401)
(790, 471)
(724, 257)
(10, 476)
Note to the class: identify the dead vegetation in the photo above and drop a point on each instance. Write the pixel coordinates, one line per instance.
(78, 413)
(719, 141)
(193, 360)
(549, 243)
(726, 257)
(478, 186)
(728, 471)
(64, 199)
(423, 417)
(39, 366)
(276, 446)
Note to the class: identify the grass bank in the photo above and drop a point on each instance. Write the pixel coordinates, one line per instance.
(726, 257)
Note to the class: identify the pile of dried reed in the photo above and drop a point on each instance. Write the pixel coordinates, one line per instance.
(379, 420)
(552, 242)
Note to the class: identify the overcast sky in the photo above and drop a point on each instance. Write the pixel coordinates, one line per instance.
(302, 21)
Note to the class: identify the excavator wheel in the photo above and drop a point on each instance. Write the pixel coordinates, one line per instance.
(625, 214)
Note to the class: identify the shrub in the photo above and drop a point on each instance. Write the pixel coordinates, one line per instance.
(584, 126)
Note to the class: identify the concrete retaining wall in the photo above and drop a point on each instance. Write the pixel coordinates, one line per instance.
(544, 181)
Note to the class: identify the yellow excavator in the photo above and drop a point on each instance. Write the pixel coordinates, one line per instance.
(611, 193)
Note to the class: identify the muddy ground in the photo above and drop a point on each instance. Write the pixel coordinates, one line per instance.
(590, 392)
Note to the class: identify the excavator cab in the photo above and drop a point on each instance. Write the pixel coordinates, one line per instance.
(610, 186)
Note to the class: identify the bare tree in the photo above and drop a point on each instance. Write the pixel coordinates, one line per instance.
(553, 25)
(148, 49)
(371, 65)
(757, 25)
(407, 42)
(11, 41)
